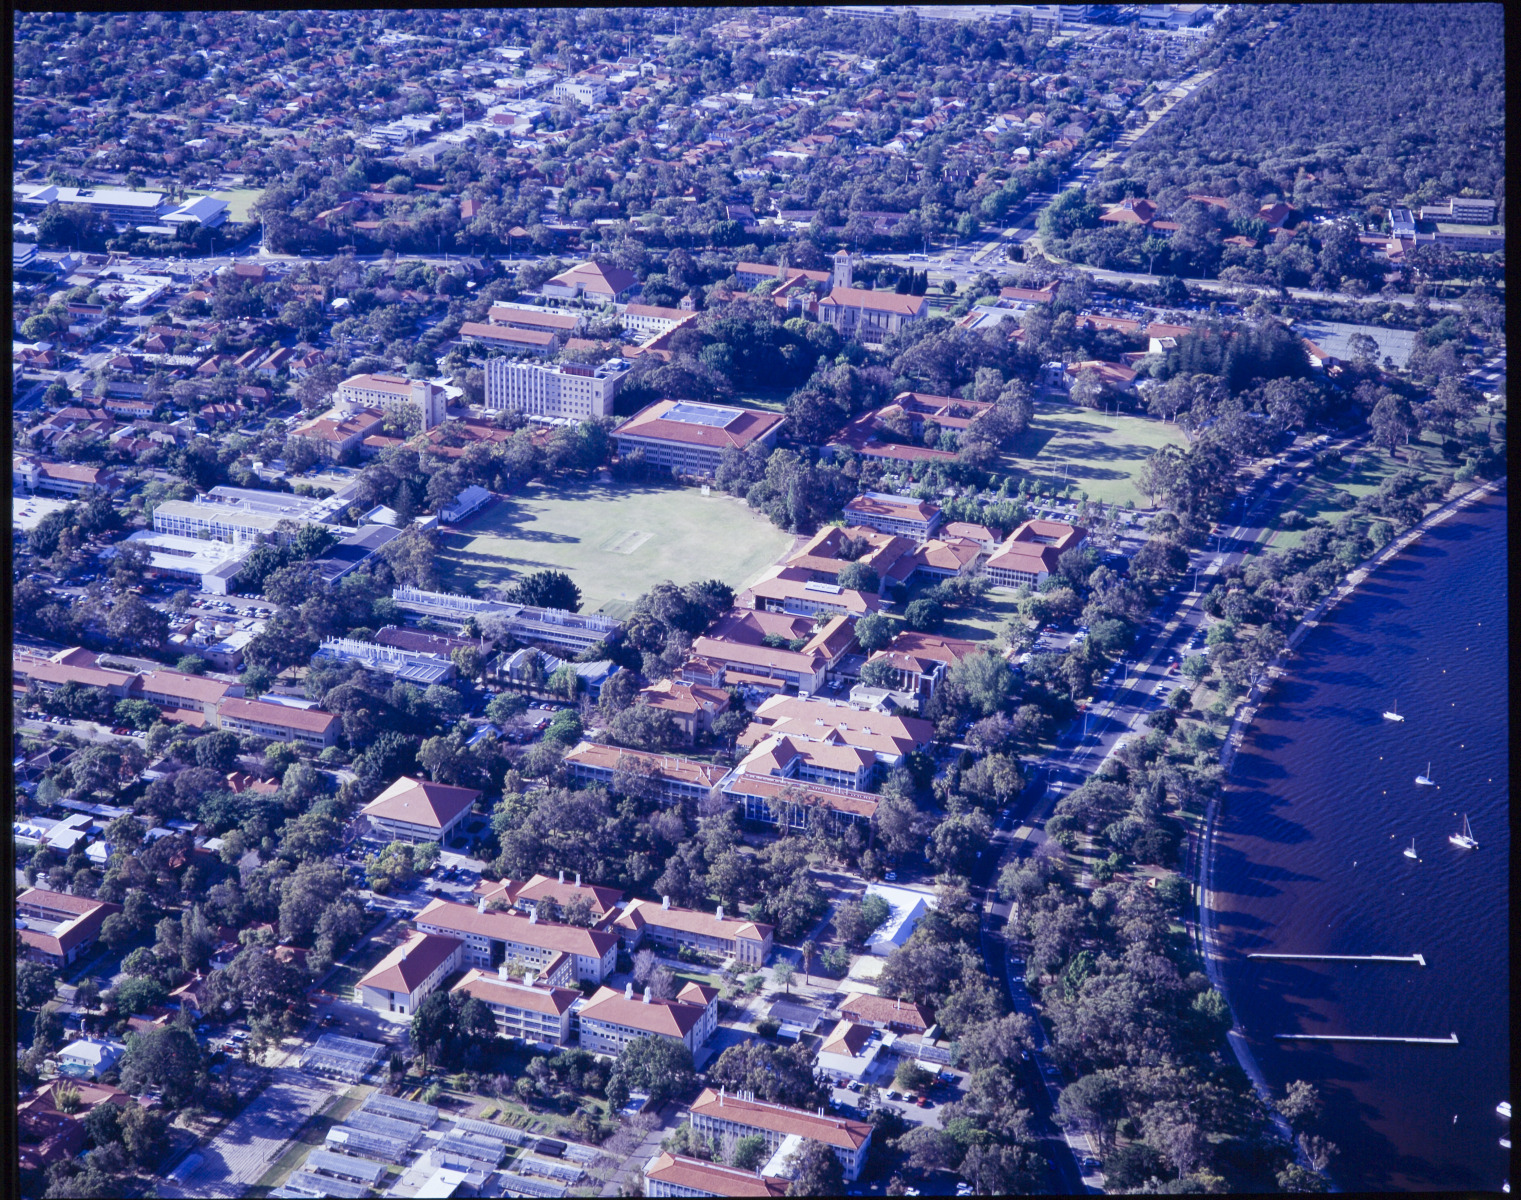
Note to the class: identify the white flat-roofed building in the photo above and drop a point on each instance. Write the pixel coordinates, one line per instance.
(492, 938)
(713, 1114)
(423, 669)
(206, 211)
(524, 622)
(121, 205)
(222, 522)
(529, 1009)
(414, 810)
(197, 560)
(279, 722)
(400, 980)
(575, 391)
(907, 908)
(612, 1019)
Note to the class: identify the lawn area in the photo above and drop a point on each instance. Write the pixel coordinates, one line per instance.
(312, 1135)
(614, 540)
(239, 200)
(341, 982)
(771, 399)
(1363, 473)
(1099, 453)
(983, 622)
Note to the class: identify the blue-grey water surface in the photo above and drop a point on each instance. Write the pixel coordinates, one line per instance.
(1308, 860)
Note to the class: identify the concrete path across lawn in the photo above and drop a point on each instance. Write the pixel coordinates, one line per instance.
(238, 1157)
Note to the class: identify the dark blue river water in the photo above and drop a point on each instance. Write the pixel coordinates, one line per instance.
(1308, 860)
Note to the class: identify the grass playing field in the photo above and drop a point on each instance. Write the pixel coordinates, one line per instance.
(1100, 453)
(614, 540)
(239, 200)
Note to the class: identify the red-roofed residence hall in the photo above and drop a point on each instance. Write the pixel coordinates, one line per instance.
(1031, 553)
(414, 810)
(403, 977)
(714, 1114)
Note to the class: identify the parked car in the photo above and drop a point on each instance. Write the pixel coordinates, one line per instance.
(891, 876)
(1091, 1164)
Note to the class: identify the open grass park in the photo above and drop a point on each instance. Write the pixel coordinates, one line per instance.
(614, 540)
(1095, 452)
(239, 200)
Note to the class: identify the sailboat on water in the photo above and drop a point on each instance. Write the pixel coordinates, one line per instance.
(1425, 779)
(1394, 713)
(1410, 849)
(1464, 840)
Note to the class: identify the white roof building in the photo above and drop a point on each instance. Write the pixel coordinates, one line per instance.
(908, 909)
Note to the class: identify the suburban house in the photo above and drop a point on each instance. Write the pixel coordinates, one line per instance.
(899, 515)
(401, 979)
(714, 1114)
(592, 281)
(747, 942)
(674, 778)
(58, 928)
(689, 437)
(611, 1019)
(668, 1174)
(492, 938)
(691, 706)
(414, 810)
(89, 1058)
(530, 1009)
(1031, 553)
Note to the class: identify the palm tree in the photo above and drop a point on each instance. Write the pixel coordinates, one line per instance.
(807, 949)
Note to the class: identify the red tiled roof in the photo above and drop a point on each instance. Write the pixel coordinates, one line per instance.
(832, 1131)
(411, 963)
(418, 802)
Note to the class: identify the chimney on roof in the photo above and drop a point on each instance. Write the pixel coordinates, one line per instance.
(480, 905)
(648, 992)
(501, 973)
(721, 1092)
(578, 878)
(529, 978)
(628, 990)
(665, 902)
(562, 874)
(533, 915)
(720, 912)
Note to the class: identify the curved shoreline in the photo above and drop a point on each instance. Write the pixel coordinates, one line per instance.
(1239, 726)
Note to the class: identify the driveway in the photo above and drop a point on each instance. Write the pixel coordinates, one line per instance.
(667, 1119)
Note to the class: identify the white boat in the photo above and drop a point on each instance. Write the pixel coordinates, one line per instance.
(1394, 713)
(1410, 849)
(1425, 780)
(1466, 838)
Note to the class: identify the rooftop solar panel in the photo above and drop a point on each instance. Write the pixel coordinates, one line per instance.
(702, 414)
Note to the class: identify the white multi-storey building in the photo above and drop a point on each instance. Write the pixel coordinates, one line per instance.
(571, 390)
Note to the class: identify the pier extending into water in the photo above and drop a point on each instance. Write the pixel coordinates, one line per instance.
(1417, 959)
(1449, 1040)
